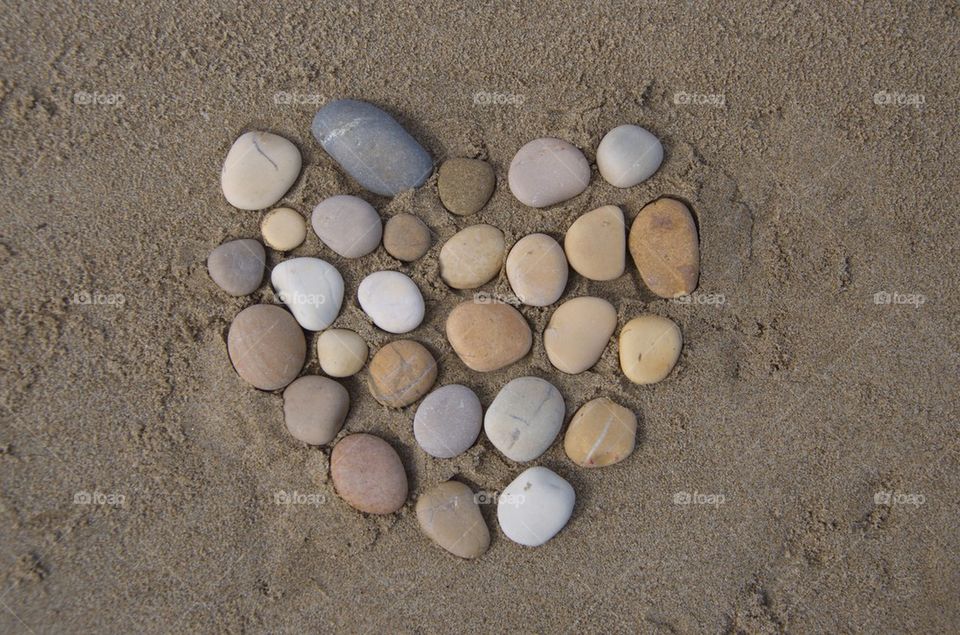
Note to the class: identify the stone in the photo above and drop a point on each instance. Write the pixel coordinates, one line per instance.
(524, 418)
(649, 348)
(665, 248)
(283, 229)
(348, 225)
(314, 409)
(535, 506)
(371, 147)
(259, 169)
(548, 171)
(237, 266)
(472, 256)
(628, 155)
(596, 244)
(601, 433)
(341, 352)
(400, 373)
(537, 270)
(367, 473)
(266, 346)
(488, 337)
(578, 333)
(406, 237)
(465, 185)
(312, 288)
(449, 515)
(448, 421)
(392, 300)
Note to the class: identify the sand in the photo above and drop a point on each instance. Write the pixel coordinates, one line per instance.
(796, 402)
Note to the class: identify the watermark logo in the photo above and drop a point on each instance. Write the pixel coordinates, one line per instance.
(711, 299)
(494, 498)
(698, 498)
(83, 98)
(98, 298)
(291, 298)
(885, 98)
(284, 98)
(84, 497)
(911, 299)
(715, 100)
(891, 498)
(485, 98)
(282, 497)
(482, 297)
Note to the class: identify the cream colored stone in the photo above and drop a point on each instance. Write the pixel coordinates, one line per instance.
(259, 169)
(601, 433)
(537, 270)
(596, 244)
(283, 229)
(472, 256)
(578, 333)
(649, 348)
(341, 352)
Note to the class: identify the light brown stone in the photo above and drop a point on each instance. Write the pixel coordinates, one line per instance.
(472, 256)
(488, 337)
(406, 237)
(401, 372)
(266, 346)
(666, 249)
(465, 185)
(601, 433)
(368, 474)
(578, 333)
(449, 515)
(649, 348)
(314, 409)
(596, 244)
(537, 270)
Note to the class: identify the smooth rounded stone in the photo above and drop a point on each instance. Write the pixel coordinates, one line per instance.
(472, 256)
(666, 249)
(649, 348)
(314, 409)
(465, 185)
(341, 352)
(312, 288)
(596, 244)
(628, 155)
(266, 346)
(400, 373)
(537, 270)
(449, 515)
(535, 506)
(371, 146)
(406, 237)
(368, 474)
(448, 421)
(392, 300)
(524, 418)
(488, 337)
(237, 266)
(259, 169)
(601, 433)
(348, 225)
(283, 229)
(578, 333)
(548, 171)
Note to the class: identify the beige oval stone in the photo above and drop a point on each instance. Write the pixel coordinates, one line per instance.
(472, 256)
(537, 270)
(666, 249)
(578, 333)
(283, 229)
(266, 346)
(649, 348)
(601, 433)
(406, 237)
(449, 515)
(368, 474)
(341, 352)
(465, 185)
(596, 244)
(314, 409)
(401, 372)
(488, 337)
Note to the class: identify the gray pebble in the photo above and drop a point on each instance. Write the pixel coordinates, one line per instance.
(237, 266)
(448, 421)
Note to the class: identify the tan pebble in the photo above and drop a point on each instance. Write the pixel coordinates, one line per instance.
(449, 515)
(341, 352)
(401, 372)
(472, 256)
(578, 333)
(649, 348)
(665, 248)
(601, 433)
(283, 229)
(488, 337)
(537, 270)
(596, 244)
(266, 346)
(368, 474)
(405, 237)
(465, 185)
(314, 409)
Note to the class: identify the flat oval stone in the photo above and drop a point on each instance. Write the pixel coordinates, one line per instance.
(348, 225)
(266, 346)
(400, 373)
(368, 474)
(314, 409)
(406, 237)
(578, 333)
(465, 185)
(537, 270)
(649, 348)
(392, 300)
(371, 146)
(628, 155)
(535, 506)
(237, 266)
(312, 288)
(524, 418)
(449, 515)
(488, 337)
(596, 244)
(601, 433)
(283, 229)
(548, 171)
(472, 256)
(341, 352)
(259, 169)
(666, 249)
(448, 421)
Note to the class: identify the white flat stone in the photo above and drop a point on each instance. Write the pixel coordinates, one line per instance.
(628, 155)
(535, 506)
(524, 418)
(392, 300)
(312, 288)
(259, 169)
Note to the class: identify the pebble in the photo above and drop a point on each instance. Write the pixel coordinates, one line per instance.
(259, 169)
(406, 237)
(649, 348)
(601, 433)
(596, 244)
(488, 337)
(472, 256)
(578, 333)
(392, 300)
(449, 515)
(283, 229)
(237, 266)
(524, 418)
(368, 474)
(537, 270)
(371, 146)
(341, 352)
(312, 288)
(400, 373)
(548, 171)
(628, 155)
(535, 506)
(348, 225)
(465, 185)
(665, 248)
(314, 409)
(448, 421)
(266, 346)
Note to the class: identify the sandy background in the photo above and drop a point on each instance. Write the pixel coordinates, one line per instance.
(798, 399)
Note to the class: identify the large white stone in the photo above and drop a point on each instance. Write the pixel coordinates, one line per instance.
(535, 506)
(392, 300)
(259, 169)
(628, 155)
(524, 418)
(312, 288)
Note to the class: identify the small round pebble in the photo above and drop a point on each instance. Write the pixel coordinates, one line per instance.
(537, 270)
(472, 256)
(465, 185)
(400, 373)
(237, 266)
(341, 352)
(448, 421)
(392, 300)
(524, 418)
(406, 237)
(596, 244)
(665, 248)
(548, 171)
(535, 506)
(601, 433)
(259, 169)
(488, 337)
(348, 225)
(628, 155)
(449, 515)
(367, 473)
(314, 409)
(578, 333)
(266, 346)
(283, 229)
(649, 348)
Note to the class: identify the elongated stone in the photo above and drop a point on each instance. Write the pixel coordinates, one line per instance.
(666, 249)
(537, 270)
(596, 244)
(450, 516)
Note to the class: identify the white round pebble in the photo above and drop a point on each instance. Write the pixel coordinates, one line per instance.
(535, 506)
(283, 229)
(628, 155)
(341, 352)
(448, 421)
(392, 300)
(259, 169)
(312, 288)
(524, 418)
(548, 171)
(348, 225)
